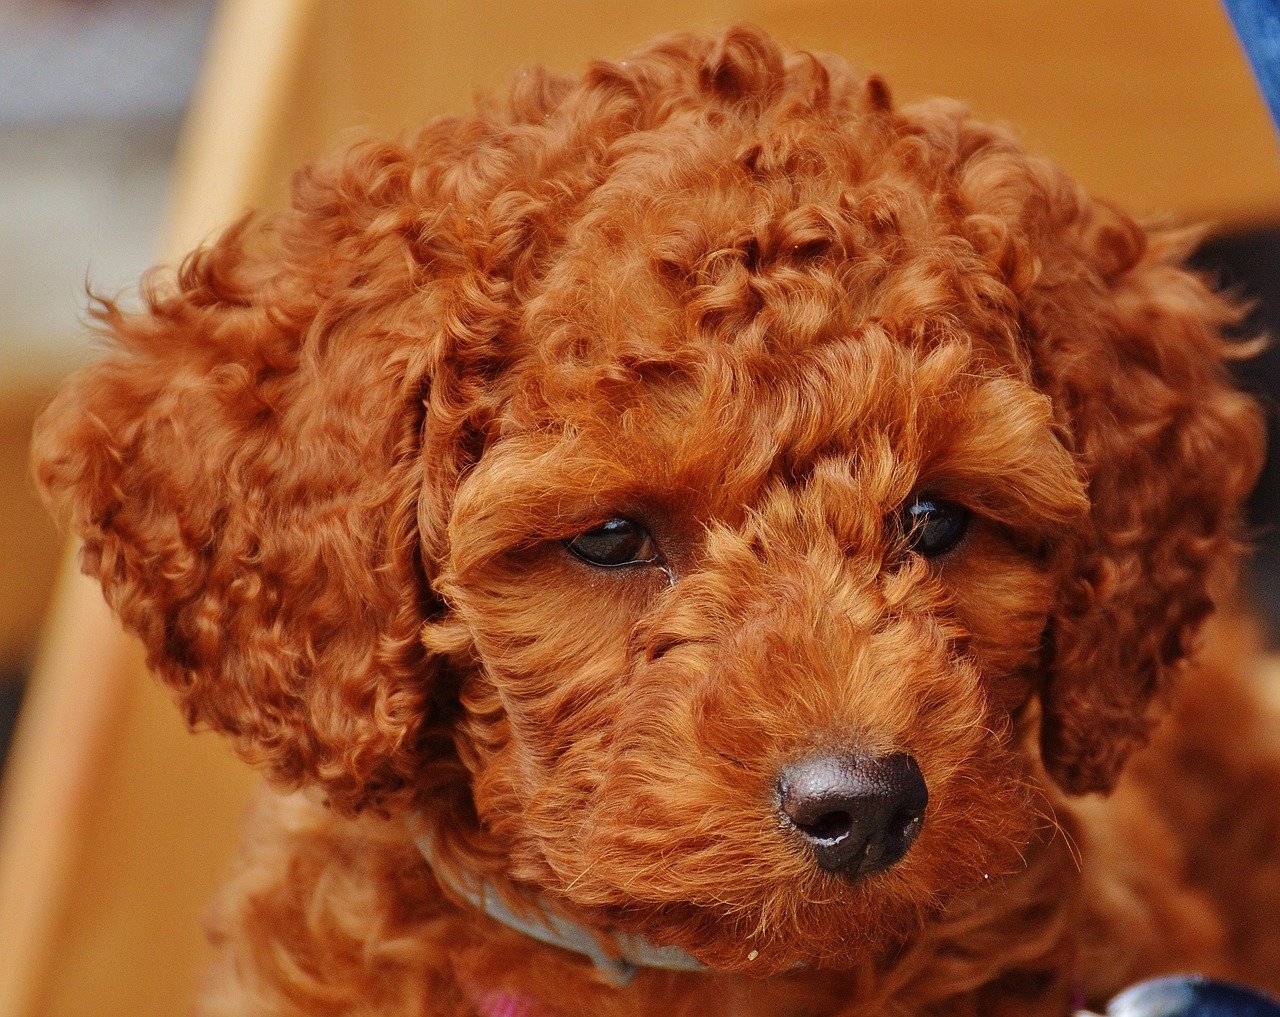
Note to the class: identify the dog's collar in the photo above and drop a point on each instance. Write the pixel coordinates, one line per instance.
(617, 967)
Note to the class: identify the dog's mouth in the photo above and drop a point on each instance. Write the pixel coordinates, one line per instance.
(720, 812)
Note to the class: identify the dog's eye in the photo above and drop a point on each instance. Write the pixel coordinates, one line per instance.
(617, 542)
(933, 526)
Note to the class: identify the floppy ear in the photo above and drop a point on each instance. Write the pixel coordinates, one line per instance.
(1129, 346)
(245, 469)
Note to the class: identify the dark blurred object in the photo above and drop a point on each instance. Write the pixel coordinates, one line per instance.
(30, 546)
(11, 689)
(1248, 263)
(1257, 25)
(1190, 996)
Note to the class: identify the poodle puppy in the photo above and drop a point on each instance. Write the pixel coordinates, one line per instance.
(696, 538)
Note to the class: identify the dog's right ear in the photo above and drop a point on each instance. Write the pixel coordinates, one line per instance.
(1136, 363)
(246, 471)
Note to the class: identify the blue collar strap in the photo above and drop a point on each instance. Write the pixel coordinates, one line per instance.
(617, 967)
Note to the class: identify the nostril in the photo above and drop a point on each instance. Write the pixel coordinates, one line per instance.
(904, 821)
(830, 826)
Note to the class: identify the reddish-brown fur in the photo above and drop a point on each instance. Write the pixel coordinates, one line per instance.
(327, 472)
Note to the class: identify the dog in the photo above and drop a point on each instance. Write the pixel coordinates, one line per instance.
(697, 538)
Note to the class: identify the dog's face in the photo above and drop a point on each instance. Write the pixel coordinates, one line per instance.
(751, 512)
(686, 486)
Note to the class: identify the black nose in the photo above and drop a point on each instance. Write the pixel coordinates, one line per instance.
(858, 814)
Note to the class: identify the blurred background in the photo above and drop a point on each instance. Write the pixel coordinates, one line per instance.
(130, 129)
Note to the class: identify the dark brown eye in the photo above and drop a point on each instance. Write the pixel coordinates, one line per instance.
(617, 542)
(933, 526)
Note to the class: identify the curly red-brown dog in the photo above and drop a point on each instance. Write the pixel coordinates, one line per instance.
(694, 539)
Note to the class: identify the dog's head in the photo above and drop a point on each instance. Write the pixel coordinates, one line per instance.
(685, 485)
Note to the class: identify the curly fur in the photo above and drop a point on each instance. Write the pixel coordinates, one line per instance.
(326, 473)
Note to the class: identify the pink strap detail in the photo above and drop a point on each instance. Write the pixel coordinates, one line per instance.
(504, 1003)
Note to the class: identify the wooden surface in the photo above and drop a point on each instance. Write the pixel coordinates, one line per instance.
(29, 540)
(116, 822)
(1151, 105)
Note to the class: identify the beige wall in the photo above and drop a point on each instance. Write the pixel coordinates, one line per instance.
(1149, 104)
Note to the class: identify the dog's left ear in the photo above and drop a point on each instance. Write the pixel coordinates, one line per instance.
(1129, 345)
(255, 466)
